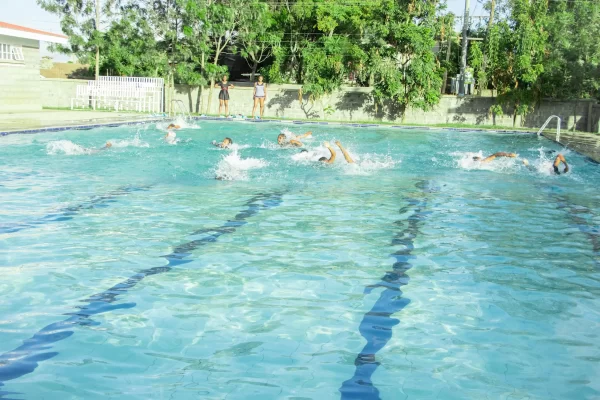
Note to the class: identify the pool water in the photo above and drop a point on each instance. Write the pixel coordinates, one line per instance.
(133, 273)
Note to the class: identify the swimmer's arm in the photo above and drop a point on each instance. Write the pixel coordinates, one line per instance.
(349, 159)
(296, 143)
(526, 163)
(560, 158)
(332, 152)
(305, 134)
(499, 154)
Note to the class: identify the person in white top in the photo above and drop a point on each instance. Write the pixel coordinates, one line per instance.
(260, 95)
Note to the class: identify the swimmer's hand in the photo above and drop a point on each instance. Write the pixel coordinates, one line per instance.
(525, 162)
(326, 144)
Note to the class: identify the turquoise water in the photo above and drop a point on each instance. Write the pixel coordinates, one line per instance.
(132, 273)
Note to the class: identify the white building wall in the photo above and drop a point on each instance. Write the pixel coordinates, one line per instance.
(20, 80)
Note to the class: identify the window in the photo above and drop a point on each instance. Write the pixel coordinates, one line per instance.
(11, 53)
(17, 53)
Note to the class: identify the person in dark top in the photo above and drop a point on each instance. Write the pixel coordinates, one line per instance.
(224, 94)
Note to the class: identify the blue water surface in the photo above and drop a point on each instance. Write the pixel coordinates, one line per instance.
(415, 272)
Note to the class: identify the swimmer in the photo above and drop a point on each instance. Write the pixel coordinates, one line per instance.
(170, 137)
(493, 156)
(281, 139)
(173, 126)
(557, 161)
(107, 146)
(349, 159)
(331, 158)
(224, 144)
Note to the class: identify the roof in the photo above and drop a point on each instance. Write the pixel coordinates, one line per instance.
(29, 33)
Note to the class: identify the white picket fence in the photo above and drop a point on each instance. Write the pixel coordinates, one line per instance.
(121, 94)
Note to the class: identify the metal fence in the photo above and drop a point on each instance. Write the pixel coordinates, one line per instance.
(121, 94)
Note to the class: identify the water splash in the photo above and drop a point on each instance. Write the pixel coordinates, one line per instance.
(232, 167)
(66, 147)
(500, 164)
(369, 164)
(135, 142)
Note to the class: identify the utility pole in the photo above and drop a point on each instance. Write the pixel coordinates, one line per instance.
(98, 46)
(491, 21)
(463, 63)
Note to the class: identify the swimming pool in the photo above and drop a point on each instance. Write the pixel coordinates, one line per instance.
(133, 273)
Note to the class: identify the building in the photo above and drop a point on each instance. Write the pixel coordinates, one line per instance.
(20, 66)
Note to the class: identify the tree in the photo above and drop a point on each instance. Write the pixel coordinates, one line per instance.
(573, 52)
(407, 73)
(257, 41)
(130, 49)
(80, 20)
(516, 49)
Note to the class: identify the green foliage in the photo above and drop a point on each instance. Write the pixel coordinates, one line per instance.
(130, 49)
(78, 21)
(533, 49)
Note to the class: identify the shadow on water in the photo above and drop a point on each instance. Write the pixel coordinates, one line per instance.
(66, 214)
(376, 326)
(25, 359)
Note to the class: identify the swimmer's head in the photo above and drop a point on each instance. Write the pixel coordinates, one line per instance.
(476, 158)
(171, 126)
(108, 145)
(227, 142)
(281, 138)
(323, 159)
(303, 151)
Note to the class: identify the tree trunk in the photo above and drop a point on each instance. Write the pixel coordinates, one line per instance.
(487, 38)
(254, 67)
(97, 46)
(210, 92)
(448, 52)
(212, 80)
(198, 99)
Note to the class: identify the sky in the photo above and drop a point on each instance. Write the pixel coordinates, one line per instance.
(28, 13)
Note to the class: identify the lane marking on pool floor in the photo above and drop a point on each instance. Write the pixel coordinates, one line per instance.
(67, 213)
(25, 358)
(377, 324)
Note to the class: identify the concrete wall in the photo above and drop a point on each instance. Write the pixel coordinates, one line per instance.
(354, 104)
(57, 93)
(19, 81)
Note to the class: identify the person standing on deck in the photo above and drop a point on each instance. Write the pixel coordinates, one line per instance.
(224, 94)
(260, 96)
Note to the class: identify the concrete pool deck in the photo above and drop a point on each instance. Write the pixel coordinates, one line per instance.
(584, 143)
(19, 121)
(587, 144)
